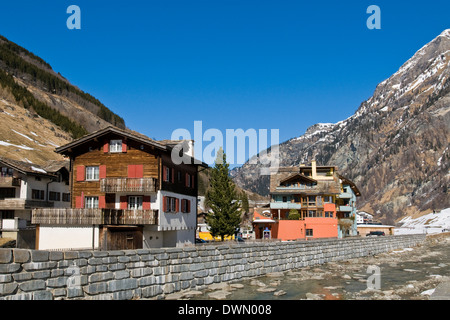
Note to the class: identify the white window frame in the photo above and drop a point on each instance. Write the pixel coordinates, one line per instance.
(92, 173)
(135, 202)
(115, 146)
(91, 202)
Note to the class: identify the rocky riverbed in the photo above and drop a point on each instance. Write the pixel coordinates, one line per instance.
(408, 274)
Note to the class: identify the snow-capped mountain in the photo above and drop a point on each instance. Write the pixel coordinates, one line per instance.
(396, 145)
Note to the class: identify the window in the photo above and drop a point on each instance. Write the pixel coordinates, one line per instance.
(311, 213)
(328, 199)
(135, 202)
(185, 206)
(66, 197)
(188, 180)
(54, 196)
(37, 194)
(170, 204)
(328, 214)
(91, 202)
(6, 172)
(92, 173)
(167, 174)
(309, 232)
(115, 146)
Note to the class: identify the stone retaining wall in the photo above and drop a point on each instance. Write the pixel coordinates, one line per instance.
(153, 273)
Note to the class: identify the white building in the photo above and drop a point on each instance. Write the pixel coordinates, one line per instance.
(24, 186)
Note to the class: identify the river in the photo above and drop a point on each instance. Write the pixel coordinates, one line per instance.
(408, 274)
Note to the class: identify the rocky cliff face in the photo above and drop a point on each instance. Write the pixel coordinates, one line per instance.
(395, 147)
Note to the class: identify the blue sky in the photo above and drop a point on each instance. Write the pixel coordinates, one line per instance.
(283, 65)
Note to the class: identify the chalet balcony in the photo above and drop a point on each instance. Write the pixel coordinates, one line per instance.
(345, 208)
(285, 205)
(21, 204)
(70, 216)
(112, 185)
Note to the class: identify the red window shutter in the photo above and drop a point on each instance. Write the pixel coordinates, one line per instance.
(101, 202)
(81, 173)
(124, 146)
(165, 204)
(173, 175)
(139, 171)
(186, 183)
(123, 202)
(188, 206)
(102, 172)
(106, 146)
(146, 203)
(177, 205)
(193, 180)
(164, 173)
(78, 202)
(131, 171)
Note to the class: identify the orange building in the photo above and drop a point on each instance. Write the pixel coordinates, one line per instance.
(303, 204)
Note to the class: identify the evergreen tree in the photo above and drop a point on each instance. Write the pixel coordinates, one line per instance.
(221, 197)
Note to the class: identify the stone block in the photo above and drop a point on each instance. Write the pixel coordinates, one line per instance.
(96, 288)
(122, 274)
(21, 255)
(56, 256)
(39, 256)
(5, 255)
(69, 255)
(8, 288)
(101, 276)
(124, 284)
(9, 267)
(36, 266)
(58, 282)
(42, 295)
(32, 285)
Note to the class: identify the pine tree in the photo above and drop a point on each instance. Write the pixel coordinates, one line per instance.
(221, 197)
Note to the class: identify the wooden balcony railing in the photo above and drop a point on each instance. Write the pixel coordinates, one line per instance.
(70, 216)
(18, 203)
(111, 185)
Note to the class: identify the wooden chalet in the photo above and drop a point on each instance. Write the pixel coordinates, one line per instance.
(126, 193)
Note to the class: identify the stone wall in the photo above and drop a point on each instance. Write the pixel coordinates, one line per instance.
(153, 273)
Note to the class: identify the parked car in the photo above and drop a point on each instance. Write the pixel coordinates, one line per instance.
(375, 233)
(198, 240)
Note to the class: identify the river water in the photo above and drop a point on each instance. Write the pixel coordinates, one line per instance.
(408, 274)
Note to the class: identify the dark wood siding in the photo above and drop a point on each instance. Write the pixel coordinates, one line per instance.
(177, 177)
(115, 164)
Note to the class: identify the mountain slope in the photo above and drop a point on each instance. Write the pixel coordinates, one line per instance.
(42, 106)
(395, 147)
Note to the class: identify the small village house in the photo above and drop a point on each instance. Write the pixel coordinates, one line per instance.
(127, 193)
(24, 186)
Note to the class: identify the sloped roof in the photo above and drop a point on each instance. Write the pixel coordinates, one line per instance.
(49, 169)
(165, 145)
(351, 184)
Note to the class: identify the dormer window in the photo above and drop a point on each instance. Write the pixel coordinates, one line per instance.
(115, 146)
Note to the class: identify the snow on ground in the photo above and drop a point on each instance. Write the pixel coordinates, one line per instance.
(430, 223)
(4, 143)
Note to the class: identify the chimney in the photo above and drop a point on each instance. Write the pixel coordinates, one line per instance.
(314, 169)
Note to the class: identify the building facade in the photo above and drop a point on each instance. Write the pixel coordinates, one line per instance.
(24, 186)
(127, 193)
(303, 204)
